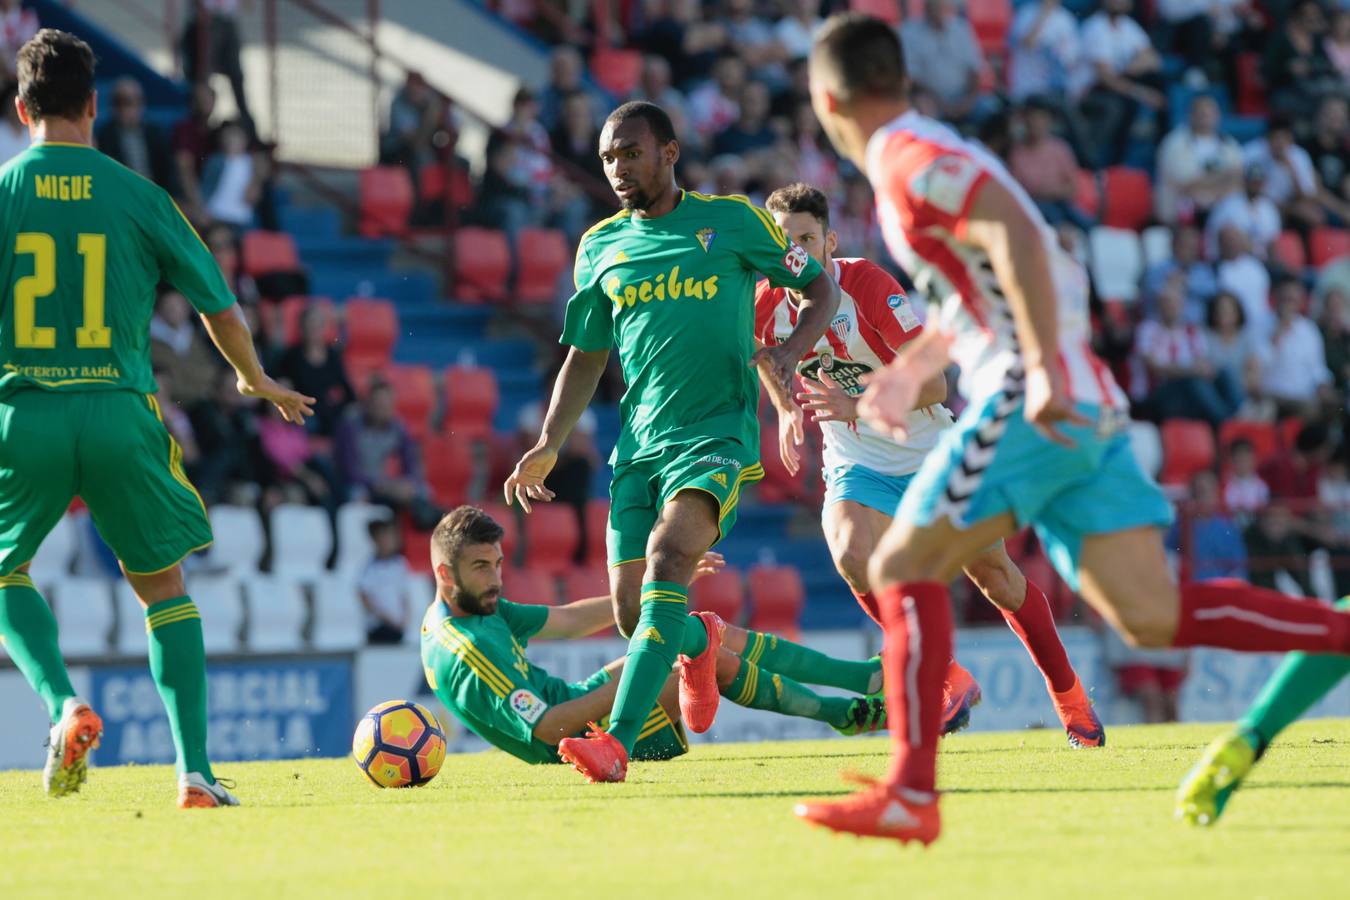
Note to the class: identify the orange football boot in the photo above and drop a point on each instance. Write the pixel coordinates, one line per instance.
(879, 811)
(599, 755)
(960, 695)
(699, 693)
(1079, 719)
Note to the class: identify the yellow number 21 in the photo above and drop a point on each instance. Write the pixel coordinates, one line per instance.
(27, 333)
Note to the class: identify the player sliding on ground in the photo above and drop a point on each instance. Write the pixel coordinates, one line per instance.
(866, 472)
(83, 244)
(1042, 442)
(473, 650)
(669, 280)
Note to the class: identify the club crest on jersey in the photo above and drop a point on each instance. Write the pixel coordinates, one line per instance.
(705, 237)
(619, 257)
(842, 326)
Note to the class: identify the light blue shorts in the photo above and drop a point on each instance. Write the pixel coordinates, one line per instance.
(865, 486)
(993, 461)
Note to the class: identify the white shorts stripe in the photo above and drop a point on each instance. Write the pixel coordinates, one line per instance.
(912, 671)
(1256, 618)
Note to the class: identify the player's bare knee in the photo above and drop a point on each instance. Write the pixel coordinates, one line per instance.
(1148, 628)
(627, 606)
(998, 583)
(852, 564)
(156, 588)
(666, 562)
(728, 665)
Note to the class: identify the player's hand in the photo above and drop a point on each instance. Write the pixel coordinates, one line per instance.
(526, 482)
(779, 361)
(828, 401)
(293, 405)
(790, 437)
(888, 400)
(1048, 403)
(710, 564)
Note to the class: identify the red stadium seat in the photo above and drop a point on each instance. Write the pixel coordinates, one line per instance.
(416, 546)
(437, 183)
(617, 71)
(1288, 250)
(292, 310)
(372, 327)
(482, 264)
(776, 600)
(414, 396)
(721, 593)
(503, 450)
(1040, 572)
(887, 11)
(1089, 196)
(269, 251)
(386, 201)
(1289, 429)
(448, 463)
(597, 523)
(505, 516)
(1188, 447)
(584, 582)
(991, 20)
(522, 585)
(1328, 244)
(1251, 86)
(470, 401)
(551, 536)
(543, 257)
(1263, 437)
(1128, 198)
(360, 371)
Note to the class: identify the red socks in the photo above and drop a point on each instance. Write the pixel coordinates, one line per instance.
(1236, 616)
(868, 602)
(1034, 624)
(917, 618)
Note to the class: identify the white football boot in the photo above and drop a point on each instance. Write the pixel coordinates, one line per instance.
(79, 731)
(195, 793)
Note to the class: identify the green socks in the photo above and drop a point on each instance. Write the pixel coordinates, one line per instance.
(662, 628)
(28, 630)
(757, 688)
(178, 662)
(810, 667)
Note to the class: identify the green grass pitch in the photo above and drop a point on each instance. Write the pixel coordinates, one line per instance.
(1024, 815)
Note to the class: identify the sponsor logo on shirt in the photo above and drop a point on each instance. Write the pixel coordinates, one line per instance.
(719, 461)
(527, 705)
(846, 372)
(904, 312)
(705, 237)
(666, 286)
(796, 259)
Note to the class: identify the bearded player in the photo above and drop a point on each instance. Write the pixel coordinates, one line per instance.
(669, 280)
(866, 472)
(1042, 442)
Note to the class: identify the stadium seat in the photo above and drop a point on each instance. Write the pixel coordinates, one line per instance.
(1117, 263)
(1263, 437)
(416, 545)
(130, 639)
(471, 399)
(220, 598)
(437, 183)
(991, 20)
(372, 328)
(505, 516)
(551, 536)
(617, 71)
(360, 370)
(354, 546)
(722, 593)
(1146, 443)
(1327, 244)
(1251, 86)
(448, 463)
(542, 257)
(302, 541)
(1089, 195)
(414, 396)
(588, 581)
(1157, 243)
(597, 524)
(1188, 447)
(386, 201)
(276, 614)
(339, 622)
(239, 544)
(482, 264)
(1289, 430)
(53, 557)
(84, 614)
(1289, 251)
(269, 251)
(293, 310)
(1127, 198)
(522, 585)
(776, 600)
(886, 10)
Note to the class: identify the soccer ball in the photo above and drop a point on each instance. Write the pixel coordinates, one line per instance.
(399, 744)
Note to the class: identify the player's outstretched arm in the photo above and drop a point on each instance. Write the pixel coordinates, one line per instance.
(229, 332)
(791, 418)
(572, 393)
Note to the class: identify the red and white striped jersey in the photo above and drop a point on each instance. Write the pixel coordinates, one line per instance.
(926, 178)
(1159, 345)
(875, 319)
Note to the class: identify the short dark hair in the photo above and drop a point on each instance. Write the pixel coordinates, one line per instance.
(800, 197)
(1240, 444)
(863, 57)
(56, 75)
(657, 119)
(1212, 310)
(461, 527)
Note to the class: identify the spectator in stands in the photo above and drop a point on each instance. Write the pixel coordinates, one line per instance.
(1296, 374)
(1296, 69)
(503, 202)
(224, 246)
(1330, 156)
(1205, 34)
(1244, 493)
(1045, 166)
(1232, 349)
(1046, 53)
(17, 25)
(371, 443)
(857, 227)
(578, 460)
(750, 133)
(14, 138)
(211, 45)
(314, 367)
(1249, 211)
(193, 141)
(231, 465)
(385, 586)
(177, 347)
(795, 30)
(995, 133)
(1294, 473)
(1242, 274)
(1214, 540)
(1333, 493)
(754, 39)
(409, 136)
(1273, 546)
(1182, 383)
(565, 68)
(176, 421)
(297, 471)
(656, 87)
(1199, 278)
(1291, 181)
(1333, 320)
(716, 104)
(1336, 44)
(133, 142)
(942, 55)
(1197, 166)
(678, 31)
(1126, 77)
(730, 175)
(576, 137)
(816, 162)
(232, 180)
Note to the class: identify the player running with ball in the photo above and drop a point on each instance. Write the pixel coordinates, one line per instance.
(670, 281)
(866, 473)
(1042, 442)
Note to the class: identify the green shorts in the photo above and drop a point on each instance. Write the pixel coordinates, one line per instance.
(717, 466)
(661, 737)
(111, 449)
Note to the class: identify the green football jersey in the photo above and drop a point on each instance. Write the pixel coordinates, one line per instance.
(476, 666)
(675, 295)
(84, 242)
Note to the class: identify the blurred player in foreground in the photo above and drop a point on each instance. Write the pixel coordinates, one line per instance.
(1042, 442)
(669, 280)
(866, 472)
(83, 243)
(473, 651)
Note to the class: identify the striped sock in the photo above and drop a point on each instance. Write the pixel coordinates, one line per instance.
(657, 640)
(809, 666)
(178, 663)
(757, 688)
(28, 630)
